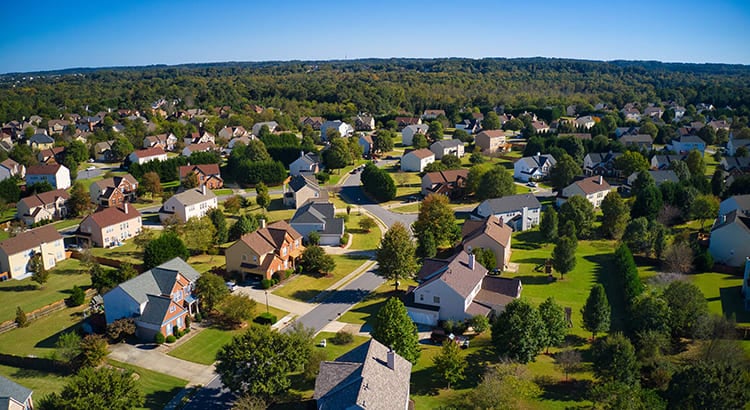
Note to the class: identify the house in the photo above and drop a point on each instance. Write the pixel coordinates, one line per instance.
(208, 174)
(491, 141)
(371, 376)
(319, 215)
(740, 203)
(45, 206)
(113, 191)
(305, 163)
(165, 141)
(41, 141)
(159, 300)
(430, 115)
(458, 289)
(639, 140)
(13, 396)
(631, 114)
(735, 165)
(663, 161)
(408, 133)
(300, 188)
(653, 112)
(191, 203)
(244, 140)
(103, 151)
(488, 234)
(733, 144)
(601, 163)
(365, 141)
(341, 127)
(450, 182)
(659, 176)
(314, 122)
(533, 168)
(730, 238)
(746, 283)
(200, 147)
(719, 125)
(687, 143)
(403, 122)
(469, 125)
(57, 126)
(268, 250)
(620, 131)
(272, 126)
(585, 122)
(232, 132)
(57, 175)
(540, 127)
(16, 252)
(447, 147)
(110, 226)
(520, 212)
(594, 189)
(54, 155)
(200, 137)
(364, 123)
(143, 156)
(10, 168)
(417, 160)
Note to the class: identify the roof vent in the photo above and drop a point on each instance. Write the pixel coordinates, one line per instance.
(391, 359)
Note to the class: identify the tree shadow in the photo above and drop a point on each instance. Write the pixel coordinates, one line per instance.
(536, 279)
(50, 341)
(18, 288)
(732, 304)
(560, 390)
(613, 287)
(575, 340)
(159, 399)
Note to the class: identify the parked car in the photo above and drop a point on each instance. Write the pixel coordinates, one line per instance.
(91, 168)
(531, 184)
(231, 286)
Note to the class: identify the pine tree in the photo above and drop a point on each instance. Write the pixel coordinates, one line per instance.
(21, 319)
(449, 364)
(564, 255)
(596, 311)
(548, 225)
(395, 329)
(263, 199)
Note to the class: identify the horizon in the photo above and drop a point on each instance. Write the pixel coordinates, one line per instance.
(79, 35)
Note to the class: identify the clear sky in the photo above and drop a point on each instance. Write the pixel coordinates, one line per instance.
(45, 35)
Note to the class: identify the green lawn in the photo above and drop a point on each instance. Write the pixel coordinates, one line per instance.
(365, 311)
(204, 263)
(722, 292)
(128, 252)
(202, 348)
(28, 296)
(157, 388)
(412, 208)
(42, 383)
(67, 223)
(39, 337)
(304, 287)
(333, 350)
(362, 240)
(222, 191)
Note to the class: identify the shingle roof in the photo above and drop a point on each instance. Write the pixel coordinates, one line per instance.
(297, 182)
(41, 139)
(495, 230)
(601, 157)
(156, 309)
(30, 239)
(421, 153)
(591, 185)
(13, 390)
(193, 196)
(270, 238)
(537, 161)
(510, 204)
(493, 133)
(205, 169)
(453, 143)
(320, 211)
(638, 138)
(156, 280)
(691, 139)
(446, 176)
(457, 274)
(112, 216)
(9, 163)
(43, 169)
(149, 152)
(45, 198)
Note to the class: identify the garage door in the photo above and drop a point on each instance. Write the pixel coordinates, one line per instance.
(423, 318)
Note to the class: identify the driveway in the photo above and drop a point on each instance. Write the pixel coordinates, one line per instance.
(151, 357)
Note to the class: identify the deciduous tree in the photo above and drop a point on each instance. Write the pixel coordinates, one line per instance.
(709, 385)
(396, 255)
(518, 332)
(217, 218)
(80, 200)
(449, 365)
(564, 255)
(315, 260)
(167, 246)
(687, 307)
(436, 216)
(395, 329)
(555, 325)
(705, 207)
(150, 182)
(96, 389)
(614, 359)
(564, 171)
(245, 224)
(616, 214)
(211, 290)
(236, 309)
(198, 234)
(631, 161)
(190, 180)
(495, 183)
(548, 225)
(581, 212)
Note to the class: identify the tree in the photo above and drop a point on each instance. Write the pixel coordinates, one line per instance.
(426, 245)
(121, 148)
(217, 218)
(244, 225)
(190, 180)
(581, 212)
(94, 350)
(564, 171)
(649, 313)
(596, 311)
(649, 128)
(695, 163)
(68, 347)
(233, 204)
(143, 238)
(504, 386)
(485, 257)
(614, 359)
(718, 183)
(77, 296)
(313, 238)
(615, 215)
(436, 216)
(382, 141)
(709, 385)
(420, 141)
(680, 169)
(704, 207)
(211, 290)
(451, 161)
(9, 190)
(491, 121)
(449, 365)
(236, 309)
(395, 329)
(198, 234)
(548, 225)
(262, 198)
(378, 183)
(555, 325)
(254, 403)
(479, 323)
(151, 182)
(315, 260)
(166, 247)
(626, 267)
(21, 319)
(687, 307)
(80, 200)
(617, 396)
(647, 203)
(121, 329)
(573, 146)
(518, 332)
(495, 183)
(568, 360)
(40, 274)
(631, 161)
(366, 223)
(435, 130)
(678, 258)
(474, 178)
(102, 388)
(564, 255)
(256, 151)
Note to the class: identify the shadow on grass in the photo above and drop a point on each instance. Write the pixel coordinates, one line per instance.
(18, 288)
(560, 390)
(541, 279)
(159, 399)
(732, 304)
(575, 341)
(50, 341)
(605, 275)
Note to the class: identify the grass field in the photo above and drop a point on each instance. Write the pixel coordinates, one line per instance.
(39, 337)
(204, 263)
(157, 388)
(42, 383)
(304, 287)
(29, 296)
(222, 192)
(362, 240)
(202, 348)
(365, 311)
(128, 252)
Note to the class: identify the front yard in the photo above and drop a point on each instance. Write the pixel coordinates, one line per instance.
(362, 240)
(157, 388)
(304, 287)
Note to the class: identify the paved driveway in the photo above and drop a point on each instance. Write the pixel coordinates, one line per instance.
(152, 358)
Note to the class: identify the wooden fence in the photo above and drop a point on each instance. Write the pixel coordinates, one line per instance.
(41, 312)
(108, 262)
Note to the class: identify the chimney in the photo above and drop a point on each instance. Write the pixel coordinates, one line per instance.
(301, 153)
(262, 223)
(601, 180)
(538, 154)
(203, 189)
(391, 359)
(126, 206)
(472, 261)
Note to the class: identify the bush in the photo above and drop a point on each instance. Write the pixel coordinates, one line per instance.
(313, 238)
(159, 338)
(323, 177)
(176, 332)
(342, 338)
(704, 262)
(454, 327)
(21, 318)
(266, 283)
(266, 318)
(77, 296)
(344, 239)
(188, 321)
(171, 339)
(480, 323)
(198, 317)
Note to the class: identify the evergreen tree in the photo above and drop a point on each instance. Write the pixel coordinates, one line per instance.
(245, 224)
(579, 210)
(564, 171)
(164, 248)
(220, 225)
(615, 215)
(564, 255)
(596, 311)
(449, 365)
(548, 224)
(647, 203)
(626, 267)
(395, 329)
(262, 198)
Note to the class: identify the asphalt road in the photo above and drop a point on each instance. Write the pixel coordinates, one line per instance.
(212, 396)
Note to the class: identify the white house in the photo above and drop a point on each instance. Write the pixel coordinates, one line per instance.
(408, 133)
(733, 144)
(200, 147)
(57, 175)
(142, 156)
(417, 160)
(594, 189)
(272, 126)
(533, 168)
(305, 163)
(196, 202)
(10, 168)
(585, 122)
(365, 141)
(447, 147)
(520, 212)
(343, 128)
(730, 238)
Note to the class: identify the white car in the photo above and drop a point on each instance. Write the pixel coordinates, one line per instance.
(231, 286)
(91, 168)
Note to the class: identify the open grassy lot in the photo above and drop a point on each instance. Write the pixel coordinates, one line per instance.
(128, 252)
(411, 208)
(305, 286)
(67, 223)
(362, 240)
(39, 337)
(29, 296)
(222, 192)
(157, 388)
(204, 263)
(364, 312)
(42, 383)
(722, 292)
(333, 350)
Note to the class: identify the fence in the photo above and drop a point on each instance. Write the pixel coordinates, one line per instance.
(35, 363)
(40, 313)
(107, 261)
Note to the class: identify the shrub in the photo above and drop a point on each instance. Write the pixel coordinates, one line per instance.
(704, 262)
(313, 364)
(171, 339)
(266, 283)
(77, 296)
(266, 318)
(480, 323)
(313, 238)
(176, 332)
(198, 317)
(121, 329)
(323, 177)
(344, 239)
(187, 322)
(342, 338)
(159, 338)
(21, 318)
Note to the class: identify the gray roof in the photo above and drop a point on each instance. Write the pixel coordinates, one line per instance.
(637, 138)
(308, 158)
(297, 182)
(156, 310)
(537, 161)
(602, 157)
(447, 143)
(692, 139)
(320, 211)
(509, 204)
(159, 280)
(660, 176)
(13, 390)
(193, 196)
(41, 139)
(361, 378)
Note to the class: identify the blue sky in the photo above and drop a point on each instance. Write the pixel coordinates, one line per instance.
(47, 35)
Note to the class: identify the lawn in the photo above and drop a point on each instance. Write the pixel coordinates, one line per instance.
(204, 263)
(222, 192)
(28, 296)
(722, 292)
(42, 383)
(67, 223)
(362, 240)
(202, 348)
(333, 350)
(128, 252)
(365, 311)
(157, 388)
(412, 208)
(39, 337)
(304, 287)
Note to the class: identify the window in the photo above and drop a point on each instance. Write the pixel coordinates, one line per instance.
(178, 296)
(436, 299)
(172, 308)
(421, 297)
(255, 259)
(244, 258)
(283, 251)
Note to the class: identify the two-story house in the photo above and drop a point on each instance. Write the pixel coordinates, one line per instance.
(103, 151)
(364, 123)
(533, 168)
(13, 396)
(365, 141)
(417, 160)
(300, 188)
(687, 143)
(447, 147)
(491, 141)
(57, 175)
(272, 126)
(113, 191)
(520, 212)
(200, 147)
(110, 226)
(143, 156)
(319, 216)
(489, 234)
(16, 252)
(191, 203)
(232, 132)
(10, 168)
(269, 249)
(450, 182)
(600, 163)
(159, 299)
(640, 141)
(663, 161)
(165, 141)
(341, 127)
(307, 162)
(200, 137)
(45, 206)
(403, 122)
(208, 174)
(458, 289)
(408, 133)
(594, 189)
(314, 122)
(41, 141)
